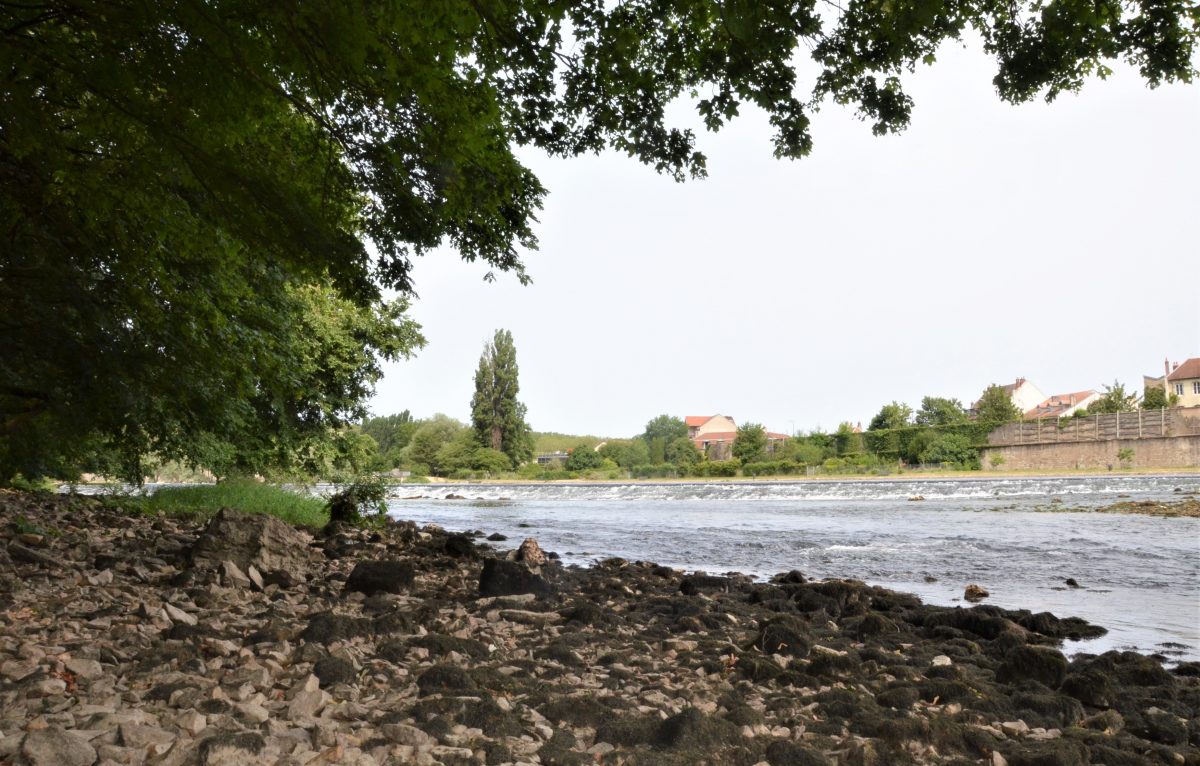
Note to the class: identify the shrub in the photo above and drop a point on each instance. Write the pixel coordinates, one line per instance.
(952, 449)
(717, 468)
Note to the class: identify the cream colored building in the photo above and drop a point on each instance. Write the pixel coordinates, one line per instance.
(1025, 396)
(1184, 382)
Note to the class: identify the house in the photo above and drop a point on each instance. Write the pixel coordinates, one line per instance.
(714, 435)
(1062, 405)
(1183, 380)
(1025, 396)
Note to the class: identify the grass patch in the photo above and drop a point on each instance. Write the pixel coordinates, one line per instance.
(251, 497)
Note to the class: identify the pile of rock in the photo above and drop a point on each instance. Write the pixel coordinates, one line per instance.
(128, 639)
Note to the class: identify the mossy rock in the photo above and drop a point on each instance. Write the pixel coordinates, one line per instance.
(441, 645)
(443, 679)
(491, 718)
(785, 634)
(334, 670)
(1059, 752)
(1034, 663)
(628, 730)
(784, 753)
(694, 730)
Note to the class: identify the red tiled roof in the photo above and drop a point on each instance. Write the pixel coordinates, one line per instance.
(1058, 404)
(772, 436)
(1189, 369)
(697, 420)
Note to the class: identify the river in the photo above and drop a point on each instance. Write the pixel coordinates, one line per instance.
(1139, 575)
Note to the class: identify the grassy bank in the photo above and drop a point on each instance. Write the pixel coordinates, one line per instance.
(202, 501)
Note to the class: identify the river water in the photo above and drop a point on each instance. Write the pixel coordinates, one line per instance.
(1139, 575)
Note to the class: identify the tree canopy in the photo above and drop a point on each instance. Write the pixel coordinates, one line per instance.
(940, 411)
(176, 178)
(497, 416)
(1114, 399)
(894, 415)
(996, 406)
(751, 443)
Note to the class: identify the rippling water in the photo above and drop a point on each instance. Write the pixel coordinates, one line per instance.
(1140, 575)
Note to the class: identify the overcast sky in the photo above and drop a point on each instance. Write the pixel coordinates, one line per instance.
(988, 241)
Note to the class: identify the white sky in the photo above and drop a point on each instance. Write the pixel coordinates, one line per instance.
(988, 241)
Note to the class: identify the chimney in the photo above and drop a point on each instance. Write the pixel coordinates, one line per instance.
(1019, 382)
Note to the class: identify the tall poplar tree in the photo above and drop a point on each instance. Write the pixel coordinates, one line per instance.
(498, 418)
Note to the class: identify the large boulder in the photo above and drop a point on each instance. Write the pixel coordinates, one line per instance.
(371, 577)
(253, 539)
(511, 578)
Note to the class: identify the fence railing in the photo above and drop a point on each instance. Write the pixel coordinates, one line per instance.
(1142, 424)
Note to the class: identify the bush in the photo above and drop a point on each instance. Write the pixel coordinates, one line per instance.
(363, 496)
(583, 457)
(717, 468)
(953, 449)
(530, 471)
(490, 460)
(772, 468)
(659, 471)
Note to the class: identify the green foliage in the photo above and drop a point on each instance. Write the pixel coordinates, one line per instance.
(894, 415)
(773, 468)
(423, 451)
(940, 411)
(175, 178)
(496, 415)
(1155, 398)
(997, 460)
(1125, 456)
(716, 468)
(179, 378)
(950, 449)
(750, 445)
(204, 501)
(654, 471)
(490, 461)
(392, 434)
(996, 407)
(846, 440)
(663, 429)
(626, 453)
(363, 500)
(1114, 400)
(583, 457)
(682, 452)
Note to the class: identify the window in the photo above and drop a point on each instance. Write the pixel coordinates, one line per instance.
(1196, 386)
(1179, 389)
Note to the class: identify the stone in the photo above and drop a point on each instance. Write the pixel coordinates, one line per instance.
(255, 576)
(975, 592)
(509, 578)
(84, 668)
(232, 749)
(531, 553)
(496, 537)
(146, 738)
(177, 615)
(1034, 663)
(192, 722)
(52, 746)
(1014, 728)
(941, 661)
(786, 635)
(371, 577)
(530, 618)
(307, 704)
(252, 539)
(403, 734)
(334, 670)
(233, 575)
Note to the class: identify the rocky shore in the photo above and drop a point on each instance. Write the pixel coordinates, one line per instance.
(129, 639)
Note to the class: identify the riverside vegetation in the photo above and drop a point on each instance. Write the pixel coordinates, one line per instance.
(232, 638)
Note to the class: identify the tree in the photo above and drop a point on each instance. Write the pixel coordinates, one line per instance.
(750, 444)
(392, 433)
(157, 226)
(424, 450)
(682, 452)
(664, 427)
(951, 449)
(496, 414)
(894, 415)
(996, 407)
(582, 458)
(1114, 400)
(1155, 398)
(939, 411)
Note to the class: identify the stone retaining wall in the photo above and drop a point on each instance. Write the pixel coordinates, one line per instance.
(1164, 452)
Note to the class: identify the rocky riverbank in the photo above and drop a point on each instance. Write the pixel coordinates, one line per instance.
(128, 639)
